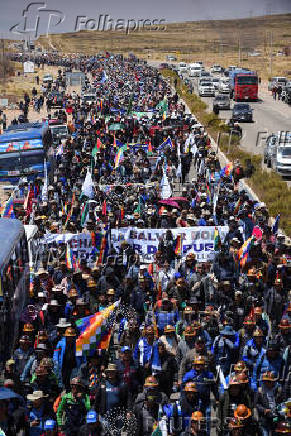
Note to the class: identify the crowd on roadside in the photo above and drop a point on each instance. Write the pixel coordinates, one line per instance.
(197, 343)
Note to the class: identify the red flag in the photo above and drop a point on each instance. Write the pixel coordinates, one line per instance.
(104, 208)
(98, 144)
(121, 212)
(28, 202)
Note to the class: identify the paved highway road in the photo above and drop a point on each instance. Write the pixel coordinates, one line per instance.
(269, 117)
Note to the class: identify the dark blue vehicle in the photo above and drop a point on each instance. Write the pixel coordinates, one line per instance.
(22, 154)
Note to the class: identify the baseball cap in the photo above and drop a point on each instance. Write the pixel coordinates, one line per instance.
(49, 424)
(91, 417)
(125, 348)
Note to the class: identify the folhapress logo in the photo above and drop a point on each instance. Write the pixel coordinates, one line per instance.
(37, 17)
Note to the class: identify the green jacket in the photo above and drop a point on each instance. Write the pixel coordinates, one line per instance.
(68, 399)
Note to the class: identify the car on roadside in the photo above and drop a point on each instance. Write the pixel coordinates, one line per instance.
(206, 89)
(270, 149)
(276, 81)
(222, 102)
(171, 58)
(47, 78)
(242, 112)
(163, 65)
(282, 160)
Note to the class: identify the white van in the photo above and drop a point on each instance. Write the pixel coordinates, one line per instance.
(194, 70)
(182, 67)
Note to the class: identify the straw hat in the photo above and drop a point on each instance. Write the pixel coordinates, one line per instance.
(36, 395)
(63, 323)
(111, 367)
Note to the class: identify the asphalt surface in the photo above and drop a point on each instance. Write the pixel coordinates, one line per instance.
(269, 116)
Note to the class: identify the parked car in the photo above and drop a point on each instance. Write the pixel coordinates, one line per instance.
(163, 65)
(270, 149)
(206, 89)
(47, 78)
(222, 102)
(275, 81)
(242, 112)
(282, 160)
(171, 58)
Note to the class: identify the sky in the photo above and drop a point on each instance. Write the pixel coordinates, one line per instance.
(61, 16)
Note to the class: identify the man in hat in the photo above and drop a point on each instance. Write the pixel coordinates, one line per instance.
(111, 392)
(254, 349)
(186, 343)
(93, 426)
(224, 347)
(91, 372)
(39, 412)
(65, 359)
(233, 396)
(197, 425)
(128, 370)
(22, 354)
(270, 361)
(189, 403)
(283, 337)
(164, 367)
(50, 428)
(147, 406)
(269, 396)
(204, 380)
(143, 351)
(170, 339)
(72, 409)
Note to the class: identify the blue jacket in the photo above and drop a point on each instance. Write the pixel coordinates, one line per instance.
(223, 350)
(205, 383)
(58, 358)
(251, 354)
(166, 318)
(263, 365)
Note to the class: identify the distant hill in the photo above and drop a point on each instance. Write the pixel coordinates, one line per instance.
(210, 41)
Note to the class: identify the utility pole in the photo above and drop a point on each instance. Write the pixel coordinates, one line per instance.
(239, 50)
(271, 53)
(3, 59)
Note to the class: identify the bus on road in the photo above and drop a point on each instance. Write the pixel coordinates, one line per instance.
(243, 85)
(14, 282)
(22, 153)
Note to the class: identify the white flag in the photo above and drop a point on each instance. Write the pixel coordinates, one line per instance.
(166, 191)
(44, 192)
(88, 186)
